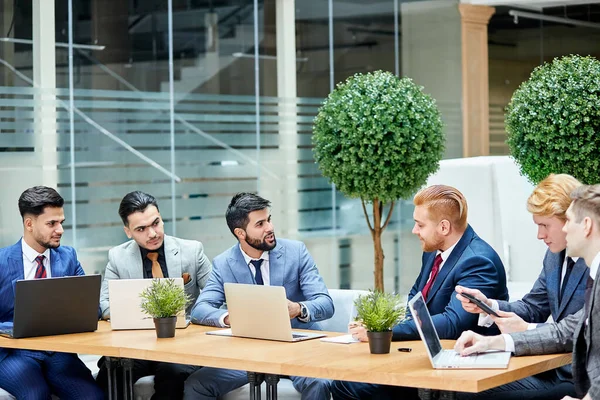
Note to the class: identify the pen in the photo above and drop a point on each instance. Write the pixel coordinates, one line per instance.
(405, 349)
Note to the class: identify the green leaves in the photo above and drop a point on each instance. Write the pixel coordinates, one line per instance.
(553, 119)
(163, 299)
(378, 137)
(379, 311)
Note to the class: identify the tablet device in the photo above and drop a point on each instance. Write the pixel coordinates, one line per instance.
(484, 307)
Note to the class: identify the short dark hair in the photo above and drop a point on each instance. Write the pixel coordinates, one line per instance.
(241, 205)
(34, 200)
(135, 202)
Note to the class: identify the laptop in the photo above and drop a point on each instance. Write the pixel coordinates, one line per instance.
(124, 301)
(55, 306)
(260, 312)
(445, 359)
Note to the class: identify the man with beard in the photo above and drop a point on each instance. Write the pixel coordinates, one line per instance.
(259, 259)
(30, 374)
(152, 254)
(453, 255)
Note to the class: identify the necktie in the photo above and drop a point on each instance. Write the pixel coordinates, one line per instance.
(588, 294)
(434, 271)
(258, 276)
(156, 269)
(570, 264)
(40, 271)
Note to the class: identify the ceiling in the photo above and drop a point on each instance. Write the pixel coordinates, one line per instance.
(531, 4)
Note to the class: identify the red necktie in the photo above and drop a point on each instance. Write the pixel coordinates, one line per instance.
(40, 271)
(434, 271)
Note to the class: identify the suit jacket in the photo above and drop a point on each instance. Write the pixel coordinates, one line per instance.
(570, 334)
(125, 262)
(542, 301)
(473, 264)
(290, 266)
(63, 262)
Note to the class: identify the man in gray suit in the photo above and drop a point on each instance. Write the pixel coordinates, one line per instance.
(152, 254)
(558, 292)
(576, 332)
(258, 258)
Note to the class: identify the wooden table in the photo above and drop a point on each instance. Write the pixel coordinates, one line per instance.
(311, 358)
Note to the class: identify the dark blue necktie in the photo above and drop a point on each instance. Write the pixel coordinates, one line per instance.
(570, 264)
(258, 276)
(588, 295)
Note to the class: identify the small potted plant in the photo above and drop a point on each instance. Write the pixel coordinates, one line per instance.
(379, 312)
(163, 300)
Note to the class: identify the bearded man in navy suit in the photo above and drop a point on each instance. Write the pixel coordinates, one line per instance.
(29, 374)
(453, 255)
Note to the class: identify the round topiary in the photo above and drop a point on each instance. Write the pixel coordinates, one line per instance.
(378, 138)
(553, 120)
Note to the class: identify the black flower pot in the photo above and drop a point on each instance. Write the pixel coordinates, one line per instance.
(380, 342)
(165, 327)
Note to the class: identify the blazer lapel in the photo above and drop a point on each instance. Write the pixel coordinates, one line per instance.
(56, 264)
(553, 282)
(276, 265)
(450, 262)
(580, 271)
(425, 276)
(237, 265)
(173, 257)
(133, 258)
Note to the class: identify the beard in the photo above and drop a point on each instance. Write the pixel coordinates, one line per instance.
(261, 245)
(432, 245)
(48, 245)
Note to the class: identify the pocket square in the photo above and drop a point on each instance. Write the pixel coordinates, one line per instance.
(186, 278)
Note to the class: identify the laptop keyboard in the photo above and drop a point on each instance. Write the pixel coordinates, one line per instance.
(453, 358)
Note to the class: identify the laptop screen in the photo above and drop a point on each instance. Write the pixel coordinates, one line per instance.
(425, 325)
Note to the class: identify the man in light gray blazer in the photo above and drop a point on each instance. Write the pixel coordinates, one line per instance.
(260, 259)
(577, 332)
(152, 254)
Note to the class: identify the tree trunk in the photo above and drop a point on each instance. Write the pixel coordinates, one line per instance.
(376, 235)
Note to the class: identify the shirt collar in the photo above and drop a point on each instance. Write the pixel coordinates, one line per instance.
(160, 251)
(247, 258)
(594, 266)
(446, 253)
(31, 254)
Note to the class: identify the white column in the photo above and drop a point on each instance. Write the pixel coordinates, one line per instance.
(44, 76)
(284, 193)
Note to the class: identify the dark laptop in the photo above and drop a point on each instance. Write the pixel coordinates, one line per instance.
(55, 306)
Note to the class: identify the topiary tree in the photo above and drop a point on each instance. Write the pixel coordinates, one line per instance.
(553, 120)
(378, 138)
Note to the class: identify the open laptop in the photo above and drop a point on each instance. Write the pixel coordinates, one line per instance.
(260, 312)
(55, 306)
(124, 301)
(444, 359)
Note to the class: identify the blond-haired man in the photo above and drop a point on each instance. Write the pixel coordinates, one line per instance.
(574, 333)
(558, 291)
(453, 255)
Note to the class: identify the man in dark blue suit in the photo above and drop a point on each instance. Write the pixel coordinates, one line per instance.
(453, 255)
(28, 374)
(558, 292)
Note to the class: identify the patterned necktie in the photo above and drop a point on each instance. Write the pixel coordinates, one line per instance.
(40, 270)
(588, 294)
(156, 269)
(434, 271)
(570, 264)
(258, 276)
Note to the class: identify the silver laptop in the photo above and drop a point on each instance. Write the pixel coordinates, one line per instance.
(444, 359)
(260, 312)
(124, 301)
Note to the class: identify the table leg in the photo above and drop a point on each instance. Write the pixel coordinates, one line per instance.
(127, 365)
(447, 395)
(111, 372)
(427, 394)
(255, 380)
(271, 381)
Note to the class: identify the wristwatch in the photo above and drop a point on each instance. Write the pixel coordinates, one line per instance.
(303, 311)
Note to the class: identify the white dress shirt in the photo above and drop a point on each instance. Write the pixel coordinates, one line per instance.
(509, 344)
(29, 264)
(445, 254)
(264, 267)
